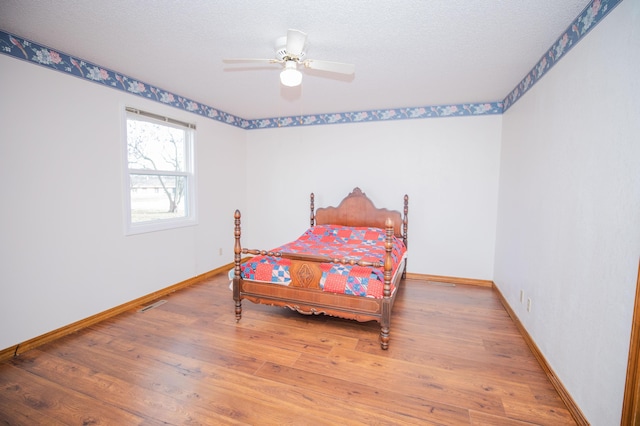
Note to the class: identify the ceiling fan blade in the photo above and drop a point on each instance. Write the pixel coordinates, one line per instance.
(338, 67)
(248, 60)
(295, 42)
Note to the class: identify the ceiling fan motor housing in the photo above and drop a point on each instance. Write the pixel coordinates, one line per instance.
(281, 51)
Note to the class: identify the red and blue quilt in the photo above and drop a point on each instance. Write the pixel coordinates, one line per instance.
(334, 241)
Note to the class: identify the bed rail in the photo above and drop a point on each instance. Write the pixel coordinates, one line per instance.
(314, 258)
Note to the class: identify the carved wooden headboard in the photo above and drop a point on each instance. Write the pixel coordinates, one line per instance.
(356, 209)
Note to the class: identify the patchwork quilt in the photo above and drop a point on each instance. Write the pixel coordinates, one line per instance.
(337, 242)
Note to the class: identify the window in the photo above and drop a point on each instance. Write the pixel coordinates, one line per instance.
(160, 179)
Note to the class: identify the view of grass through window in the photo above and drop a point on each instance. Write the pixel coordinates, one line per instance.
(157, 170)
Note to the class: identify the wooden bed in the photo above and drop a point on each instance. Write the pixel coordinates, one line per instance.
(303, 293)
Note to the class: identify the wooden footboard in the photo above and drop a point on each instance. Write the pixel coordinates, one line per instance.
(303, 293)
(305, 269)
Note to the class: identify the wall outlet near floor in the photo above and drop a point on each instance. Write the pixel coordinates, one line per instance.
(521, 296)
(529, 304)
(220, 251)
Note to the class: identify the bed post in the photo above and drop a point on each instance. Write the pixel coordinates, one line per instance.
(388, 260)
(385, 320)
(405, 224)
(237, 249)
(313, 217)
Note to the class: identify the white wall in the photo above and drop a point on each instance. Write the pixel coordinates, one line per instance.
(569, 212)
(63, 253)
(448, 167)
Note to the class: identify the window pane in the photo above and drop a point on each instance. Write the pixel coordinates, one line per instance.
(155, 197)
(152, 146)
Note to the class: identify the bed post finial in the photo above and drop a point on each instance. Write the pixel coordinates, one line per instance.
(313, 217)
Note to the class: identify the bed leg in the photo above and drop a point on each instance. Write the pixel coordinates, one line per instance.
(385, 323)
(237, 299)
(238, 310)
(384, 338)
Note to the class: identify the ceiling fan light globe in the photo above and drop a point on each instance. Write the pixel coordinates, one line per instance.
(290, 77)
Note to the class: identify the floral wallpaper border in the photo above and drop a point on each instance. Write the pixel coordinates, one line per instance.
(27, 50)
(380, 115)
(585, 22)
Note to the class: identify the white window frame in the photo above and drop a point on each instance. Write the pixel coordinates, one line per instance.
(190, 218)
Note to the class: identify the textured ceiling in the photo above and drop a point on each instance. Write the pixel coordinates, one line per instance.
(407, 53)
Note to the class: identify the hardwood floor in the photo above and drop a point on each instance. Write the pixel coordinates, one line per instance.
(455, 358)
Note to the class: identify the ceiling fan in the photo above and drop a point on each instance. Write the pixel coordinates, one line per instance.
(291, 52)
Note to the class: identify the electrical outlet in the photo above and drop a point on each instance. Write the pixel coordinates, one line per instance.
(529, 304)
(521, 296)
(220, 251)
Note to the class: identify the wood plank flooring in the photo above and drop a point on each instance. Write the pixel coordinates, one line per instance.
(455, 358)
